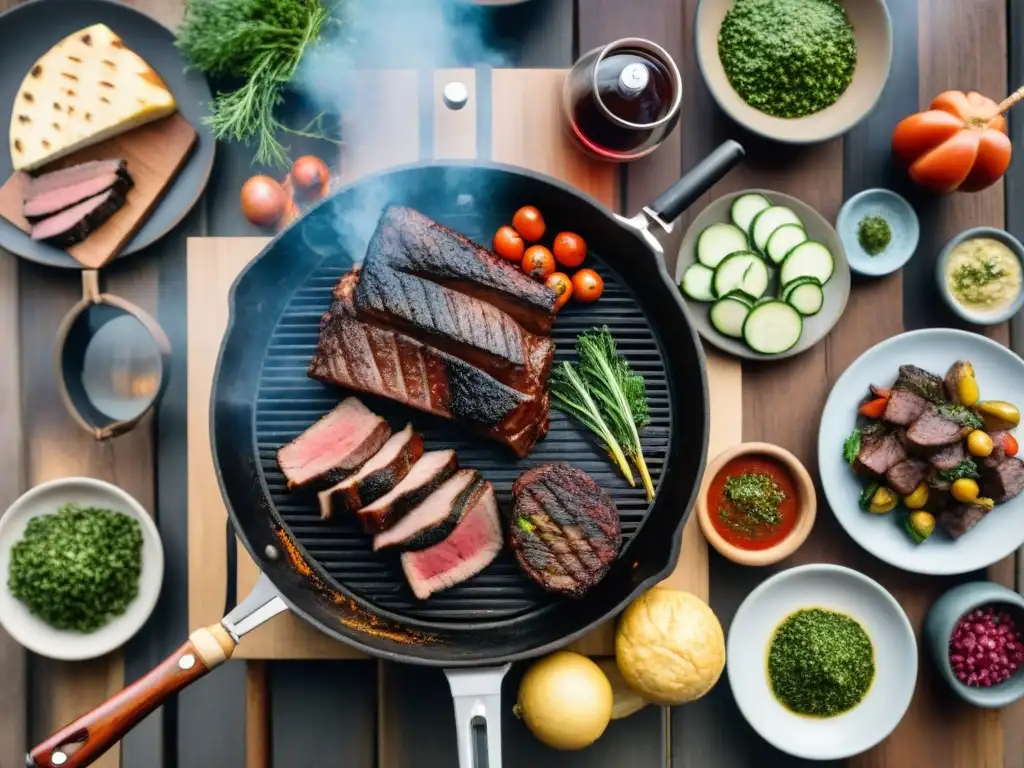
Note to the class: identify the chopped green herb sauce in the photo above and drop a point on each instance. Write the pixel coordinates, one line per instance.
(969, 277)
(874, 234)
(787, 58)
(965, 417)
(966, 468)
(753, 499)
(79, 568)
(820, 663)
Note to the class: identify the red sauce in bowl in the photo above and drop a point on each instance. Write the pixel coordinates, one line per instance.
(738, 528)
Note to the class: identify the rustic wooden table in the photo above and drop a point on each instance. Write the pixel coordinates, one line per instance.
(360, 714)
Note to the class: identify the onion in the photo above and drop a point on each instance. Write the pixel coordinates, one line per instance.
(263, 201)
(310, 176)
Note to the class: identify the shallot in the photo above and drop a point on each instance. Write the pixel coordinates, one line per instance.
(986, 647)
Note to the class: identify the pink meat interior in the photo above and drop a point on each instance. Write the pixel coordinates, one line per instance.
(435, 508)
(326, 444)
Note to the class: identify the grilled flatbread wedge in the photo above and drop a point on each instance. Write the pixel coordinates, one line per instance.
(85, 89)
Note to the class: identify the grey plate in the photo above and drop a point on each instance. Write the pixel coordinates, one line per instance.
(979, 318)
(837, 290)
(903, 223)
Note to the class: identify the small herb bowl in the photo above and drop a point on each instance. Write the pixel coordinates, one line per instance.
(34, 633)
(903, 226)
(807, 506)
(979, 318)
(942, 619)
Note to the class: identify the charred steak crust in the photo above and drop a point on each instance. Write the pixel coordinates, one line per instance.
(922, 382)
(564, 528)
(372, 482)
(382, 514)
(464, 502)
(73, 225)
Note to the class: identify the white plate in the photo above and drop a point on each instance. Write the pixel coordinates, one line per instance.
(34, 633)
(835, 588)
(1000, 375)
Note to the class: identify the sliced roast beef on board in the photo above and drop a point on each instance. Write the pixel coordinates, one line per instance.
(56, 200)
(336, 445)
(425, 477)
(64, 177)
(436, 516)
(473, 545)
(72, 225)
(381, 473)
(880, 450)
(1003, 481)
(959, 519)
(939, 426)
(564, 528)
(906, 476)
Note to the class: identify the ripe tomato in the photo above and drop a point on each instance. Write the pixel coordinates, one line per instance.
(538, 261)
(587, 286)
(1010, 445)
(561, 284)
(508, 244)
(570, 250)
(529, 223)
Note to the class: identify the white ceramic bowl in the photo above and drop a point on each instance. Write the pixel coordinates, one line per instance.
(999, 372)
(34, 633)
(836, 588)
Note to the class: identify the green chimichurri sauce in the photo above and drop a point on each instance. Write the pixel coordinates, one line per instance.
(754, 499)
(787, 58)
(820, 663)
(874, 235)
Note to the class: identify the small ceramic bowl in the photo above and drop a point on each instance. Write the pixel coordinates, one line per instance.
(942, 618)
(807, 506)
(903, 225)
(34, 633)
(979, 318)
(832, 588)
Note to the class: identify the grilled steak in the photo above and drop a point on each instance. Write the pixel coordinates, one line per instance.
(384, 470)
(937, 427)
(339, 443)
(906, 476)
(995, 458)
(61, 198)
(904, 407)
(936, 481)
(423, 479)
(407, 241)
(74, 224)
(1003, 481)
(357, 354)
(926, 384)
(565, 530)
(948, 457)
(470, 548)
(436, 516)
(959, 519)
(478, 332)
(64, 177)
(880, 450)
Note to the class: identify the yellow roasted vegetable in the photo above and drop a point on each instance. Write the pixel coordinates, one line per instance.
(883, 501)
(979, 443)
(998, 414)
(961, 386)
(920, 525)
(985, 502)
(918, 498)
(965, 489)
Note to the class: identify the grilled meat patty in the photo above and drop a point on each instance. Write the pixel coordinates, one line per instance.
(564, 529)
(425, 476)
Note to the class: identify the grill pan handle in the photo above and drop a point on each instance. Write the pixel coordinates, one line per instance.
(671, 203)
(477, 694)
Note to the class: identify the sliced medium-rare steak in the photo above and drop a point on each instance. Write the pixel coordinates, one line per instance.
(903, 407)
(64, 177)
(906, 476)
(880, 450)
(471, 547)
(960, 518)
(357, 354)
(408, 241)
(461, 325)
(565, 530)
(74, 224)
(425, 477)
(1003, 481)
(948, 457)
(336, 445)
(381, 473)
(436, 516)
(56, 200)
(939, 426)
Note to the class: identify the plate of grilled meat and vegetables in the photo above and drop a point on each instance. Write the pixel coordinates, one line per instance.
(918, 451)
(764, 275)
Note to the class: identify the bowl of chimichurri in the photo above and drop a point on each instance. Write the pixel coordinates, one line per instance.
(822, 661)
(980, 274)
(796, 71)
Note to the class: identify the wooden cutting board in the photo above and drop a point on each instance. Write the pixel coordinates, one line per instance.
(154, 153)
(213, 263)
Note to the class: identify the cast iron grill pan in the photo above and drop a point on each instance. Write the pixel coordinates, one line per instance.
(288, 402)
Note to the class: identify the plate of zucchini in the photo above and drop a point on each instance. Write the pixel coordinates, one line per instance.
(763, 274)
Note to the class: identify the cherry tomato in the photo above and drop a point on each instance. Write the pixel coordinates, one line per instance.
(1010, 445)
(569, 248)
(263, 201)
(508, 244)
(587, 286)
(310, 176)
(529, 223)
(561, 284)
(538, 262)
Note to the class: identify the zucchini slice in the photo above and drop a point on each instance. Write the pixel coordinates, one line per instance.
(728, 316)
(745, 272)
(806, 298)
(697, 282)
(810, 259)
(767, 221)
(783, 240)
(772, 327)
(718, 241)
(745, 207)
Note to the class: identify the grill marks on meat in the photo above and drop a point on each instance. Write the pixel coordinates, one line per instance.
(436, 516)
(339, 443)
(880, 450)
(384, 470)
(74, 224)
(936, 428)
(565, 529)
(1003, 481)
(423, 479)
(959, 519)
(408, 241)
(906, 476)
(361, 355)
(472, 546)
(949, 457)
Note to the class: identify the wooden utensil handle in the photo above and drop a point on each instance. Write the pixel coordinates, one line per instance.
(83, 741)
